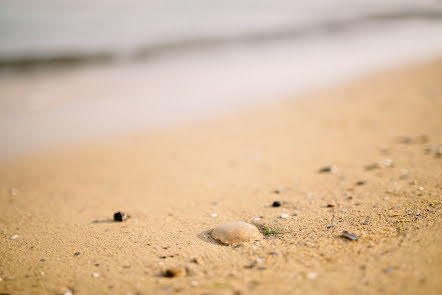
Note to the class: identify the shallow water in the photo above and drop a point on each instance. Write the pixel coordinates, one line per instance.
(170, 64)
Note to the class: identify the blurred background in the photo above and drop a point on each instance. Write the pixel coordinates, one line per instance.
(75, 70)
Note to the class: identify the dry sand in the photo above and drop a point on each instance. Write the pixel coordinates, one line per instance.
(171, 181)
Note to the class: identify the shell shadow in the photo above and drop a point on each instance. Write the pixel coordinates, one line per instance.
(205, 237)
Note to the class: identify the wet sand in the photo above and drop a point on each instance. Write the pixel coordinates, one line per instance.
(172, 181)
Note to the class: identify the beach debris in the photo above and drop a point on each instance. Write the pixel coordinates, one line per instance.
(285, 215)
(387, 162)
(312, 275)
(276, 204)
(406, 139)
(347, 235)
(361, 182)
(331, 205)
(421, 188)
(174, 272)
(12, 191)
(256, 218)
(76, 253)
(120, 216)
(214, 215)
(13, 237)
(372, 166)
(235, 232)
(279, 190)
(197, 260)
(95, 274)
(328, 169)
(68, 292)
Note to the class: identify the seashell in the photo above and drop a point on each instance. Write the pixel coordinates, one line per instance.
(235, 232)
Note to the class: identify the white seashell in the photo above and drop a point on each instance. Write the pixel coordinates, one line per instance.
(235, 232)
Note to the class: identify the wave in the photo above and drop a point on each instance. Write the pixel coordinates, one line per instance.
(34, 61)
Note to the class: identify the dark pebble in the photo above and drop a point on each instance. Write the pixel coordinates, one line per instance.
(361, 182)
(76, 253)
(120, 216)
(327, 169)
(349, 236)
(174, 272)
(330, 226)
(42, 260)
(276, 204)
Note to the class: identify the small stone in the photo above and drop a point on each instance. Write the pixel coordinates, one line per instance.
(372, 166)
(68, 292)
(312, 275)
(214, 215)
(174, 272)
(331, 205)
(95, 274)
(330, 226)
(13, 237)
(120, 216)
(76, 253)
(42, 260)
(276, 204)
(235, 232)
(421, 188)
(349, 236)
(387, 162)
(257, 219)
(279, 190)
(360, 182)
(197, 260)
(328, 169)
(284, 216)
(260, 259)
(276, 253)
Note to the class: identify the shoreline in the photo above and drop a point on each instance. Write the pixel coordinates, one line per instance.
(171, 182)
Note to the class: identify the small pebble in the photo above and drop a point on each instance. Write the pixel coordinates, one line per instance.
(76, 253)
(174, 272)
(120, 216)
(330, 226)
(331, 205)
(68, 292)
(279, 190)
(276, 253)
(197, 260)
(284, 216)
(387, 162)
(276, 204)
(257, 219)
(349, 236)
(328, 169)
(372, 166)
(235, 232)
(42, 260)
(214, 215)
(95, 274)
(260, 259)
(421, 188)
(312, 275)
(13, 237)
(361, 182)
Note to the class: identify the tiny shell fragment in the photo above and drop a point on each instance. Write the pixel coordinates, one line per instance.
(235, 232)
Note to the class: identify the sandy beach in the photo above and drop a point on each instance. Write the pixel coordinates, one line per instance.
(381, 133)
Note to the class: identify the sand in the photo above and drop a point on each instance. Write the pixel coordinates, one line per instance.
(172, 181)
